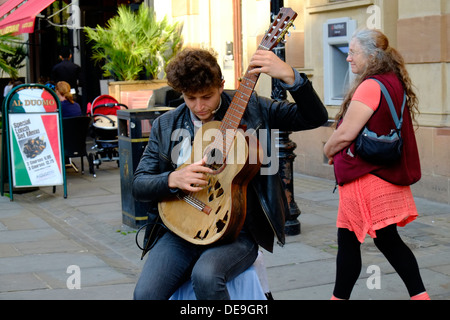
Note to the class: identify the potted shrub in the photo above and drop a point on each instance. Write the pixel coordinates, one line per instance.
(11, 56)
(11, 60)
(134, 46)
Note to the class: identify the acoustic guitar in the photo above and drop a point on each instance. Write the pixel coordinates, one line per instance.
(218, 211)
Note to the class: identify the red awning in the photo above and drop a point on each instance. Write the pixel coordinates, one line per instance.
(21, 20)
(9, 6)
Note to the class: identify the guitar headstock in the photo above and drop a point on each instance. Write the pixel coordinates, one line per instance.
(278, 29)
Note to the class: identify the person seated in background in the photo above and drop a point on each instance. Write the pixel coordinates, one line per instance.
(69, 108)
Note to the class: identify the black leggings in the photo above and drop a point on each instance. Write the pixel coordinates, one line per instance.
(388, 241)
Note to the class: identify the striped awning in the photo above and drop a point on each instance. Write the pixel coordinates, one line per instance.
(18, 16)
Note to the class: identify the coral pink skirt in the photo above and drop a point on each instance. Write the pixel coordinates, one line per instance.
(371, 203)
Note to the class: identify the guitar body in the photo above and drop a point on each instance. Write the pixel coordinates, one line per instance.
(222, 210)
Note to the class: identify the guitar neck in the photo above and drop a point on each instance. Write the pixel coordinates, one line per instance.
(239, 103)
(235, 112)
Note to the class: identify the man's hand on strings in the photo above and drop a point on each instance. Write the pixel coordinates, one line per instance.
(191, 178)
(264, 61)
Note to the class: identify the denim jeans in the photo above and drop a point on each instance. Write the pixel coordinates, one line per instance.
(172, 261)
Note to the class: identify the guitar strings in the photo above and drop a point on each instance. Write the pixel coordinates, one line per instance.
(194, 201)
(188, 198)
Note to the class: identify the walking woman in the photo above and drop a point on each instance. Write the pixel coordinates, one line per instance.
(375, 199)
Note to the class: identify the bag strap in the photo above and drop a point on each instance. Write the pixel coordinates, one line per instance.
(398, 123)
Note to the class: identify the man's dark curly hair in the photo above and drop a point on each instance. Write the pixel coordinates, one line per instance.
(194, 70)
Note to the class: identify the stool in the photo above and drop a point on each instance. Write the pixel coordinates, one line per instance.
(246, 286)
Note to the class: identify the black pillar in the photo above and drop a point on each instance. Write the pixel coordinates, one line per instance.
(285, 145)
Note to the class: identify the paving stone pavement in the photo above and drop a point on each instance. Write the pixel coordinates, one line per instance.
(43, 235)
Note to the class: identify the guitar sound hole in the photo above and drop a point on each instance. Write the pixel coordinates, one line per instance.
(215, 191)
(220, 225)
(199, 236)
(215, 159)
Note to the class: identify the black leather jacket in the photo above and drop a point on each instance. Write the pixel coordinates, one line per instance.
(267, 203)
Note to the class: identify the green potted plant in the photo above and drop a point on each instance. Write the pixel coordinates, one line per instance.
(11, 60)
(134, 46)
(11, 55)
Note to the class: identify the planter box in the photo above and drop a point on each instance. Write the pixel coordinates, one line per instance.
(119, 89)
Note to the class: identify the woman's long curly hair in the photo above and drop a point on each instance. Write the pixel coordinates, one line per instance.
(382, 59)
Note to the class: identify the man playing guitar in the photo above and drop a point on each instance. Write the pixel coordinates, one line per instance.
(172, 260)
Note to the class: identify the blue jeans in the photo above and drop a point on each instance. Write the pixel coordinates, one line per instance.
(172, 261)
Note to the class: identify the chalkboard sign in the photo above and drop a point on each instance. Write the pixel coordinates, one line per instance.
(32, 150)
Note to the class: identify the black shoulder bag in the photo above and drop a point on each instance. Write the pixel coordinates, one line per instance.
(383, 149)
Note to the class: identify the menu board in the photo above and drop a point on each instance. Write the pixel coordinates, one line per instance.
(34, 147)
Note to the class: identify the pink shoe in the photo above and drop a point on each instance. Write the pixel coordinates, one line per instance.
(421, 296)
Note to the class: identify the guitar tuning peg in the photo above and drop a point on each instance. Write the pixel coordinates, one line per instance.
(293, 26)
(289, 34)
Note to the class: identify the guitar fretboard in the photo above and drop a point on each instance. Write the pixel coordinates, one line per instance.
(235, 112)
(233, 117)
